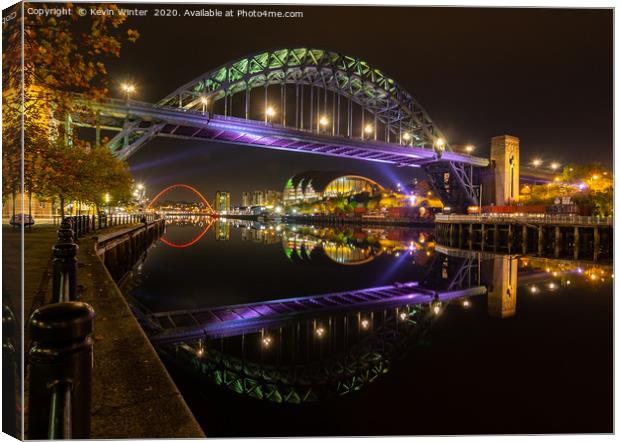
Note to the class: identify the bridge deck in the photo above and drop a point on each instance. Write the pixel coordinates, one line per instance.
(174, 326)
(156, 120)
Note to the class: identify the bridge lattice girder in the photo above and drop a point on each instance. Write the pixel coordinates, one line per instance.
(348, 76)
(341, 374)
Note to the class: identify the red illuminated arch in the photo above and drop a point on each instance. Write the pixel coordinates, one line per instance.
(183, 186)
(190, 243)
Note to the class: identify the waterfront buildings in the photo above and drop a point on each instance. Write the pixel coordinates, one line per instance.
(222, 202)
(314, 185)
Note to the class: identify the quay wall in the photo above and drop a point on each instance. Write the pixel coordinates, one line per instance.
(133, 395)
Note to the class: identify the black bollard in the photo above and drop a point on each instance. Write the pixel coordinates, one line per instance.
(61, 360)
(9, 372)
(74, 226)
(64, 278)
(65, 233)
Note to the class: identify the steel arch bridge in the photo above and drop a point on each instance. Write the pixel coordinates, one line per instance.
(319, 101)
(182, 186)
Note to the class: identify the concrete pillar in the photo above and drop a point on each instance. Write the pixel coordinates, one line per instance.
(481, 236)
(460, 240)
(541, 238)
(524, 239)
(557, 242)
(495, 236)
(576, 244)
(597, 243)
(471, 235)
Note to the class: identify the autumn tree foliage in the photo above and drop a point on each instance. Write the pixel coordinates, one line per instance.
(62, 56)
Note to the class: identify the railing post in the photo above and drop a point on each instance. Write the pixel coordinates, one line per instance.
(61, 359)
(9, 372)
(64, 278)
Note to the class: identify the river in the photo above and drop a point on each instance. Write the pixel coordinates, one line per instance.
(402, 336)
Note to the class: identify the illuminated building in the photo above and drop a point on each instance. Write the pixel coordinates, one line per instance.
(313, 186)
(222, 202)
(258, 198)
(246, 199)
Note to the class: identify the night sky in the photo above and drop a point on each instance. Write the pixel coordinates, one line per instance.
(543, 75)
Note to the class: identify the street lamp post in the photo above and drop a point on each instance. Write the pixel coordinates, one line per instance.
(129, 89)
(204, 101)
(368, 130)
(406, 137)
(323, 122)
(269, 113)
(440, 145)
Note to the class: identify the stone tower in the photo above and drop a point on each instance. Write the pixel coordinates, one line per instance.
(505, 158)
(502, 295)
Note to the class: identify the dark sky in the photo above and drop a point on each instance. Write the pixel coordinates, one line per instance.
(543, 75)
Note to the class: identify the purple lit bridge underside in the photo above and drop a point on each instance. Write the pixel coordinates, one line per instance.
(186, 325)
(139, 122)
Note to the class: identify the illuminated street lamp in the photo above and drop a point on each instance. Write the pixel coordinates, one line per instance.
(369, 129)
(469, 148)
(536, 162)
(106, 198)
(270, 112)
(554, 166)
(129, 89)
(204, 101)
(440, 145)
(323, 121)
(406, 137)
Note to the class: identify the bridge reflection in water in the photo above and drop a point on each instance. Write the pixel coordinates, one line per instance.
(310, 348)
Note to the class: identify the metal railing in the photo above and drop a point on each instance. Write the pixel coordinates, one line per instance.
(10, 370)
(537, 218)
(60, 354)
(60, 371)
(83, 224)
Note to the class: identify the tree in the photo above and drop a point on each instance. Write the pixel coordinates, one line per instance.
(62, 56)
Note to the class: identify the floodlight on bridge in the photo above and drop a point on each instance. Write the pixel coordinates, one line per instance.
(554, 166)
(536, 162)
(469, 148)
(128, 88)
(323, 121)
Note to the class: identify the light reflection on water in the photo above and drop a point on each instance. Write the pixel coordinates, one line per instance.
(321, 354)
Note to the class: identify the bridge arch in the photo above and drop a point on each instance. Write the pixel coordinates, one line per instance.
(181, 186)
(352, 78)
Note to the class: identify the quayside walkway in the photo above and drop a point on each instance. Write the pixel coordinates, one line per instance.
(132, 394)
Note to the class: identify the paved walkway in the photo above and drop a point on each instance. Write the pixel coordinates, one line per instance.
(133, 395)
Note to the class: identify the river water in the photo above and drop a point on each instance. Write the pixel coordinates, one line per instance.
(480, 343)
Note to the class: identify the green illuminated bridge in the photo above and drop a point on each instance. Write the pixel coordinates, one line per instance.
(302, 100)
